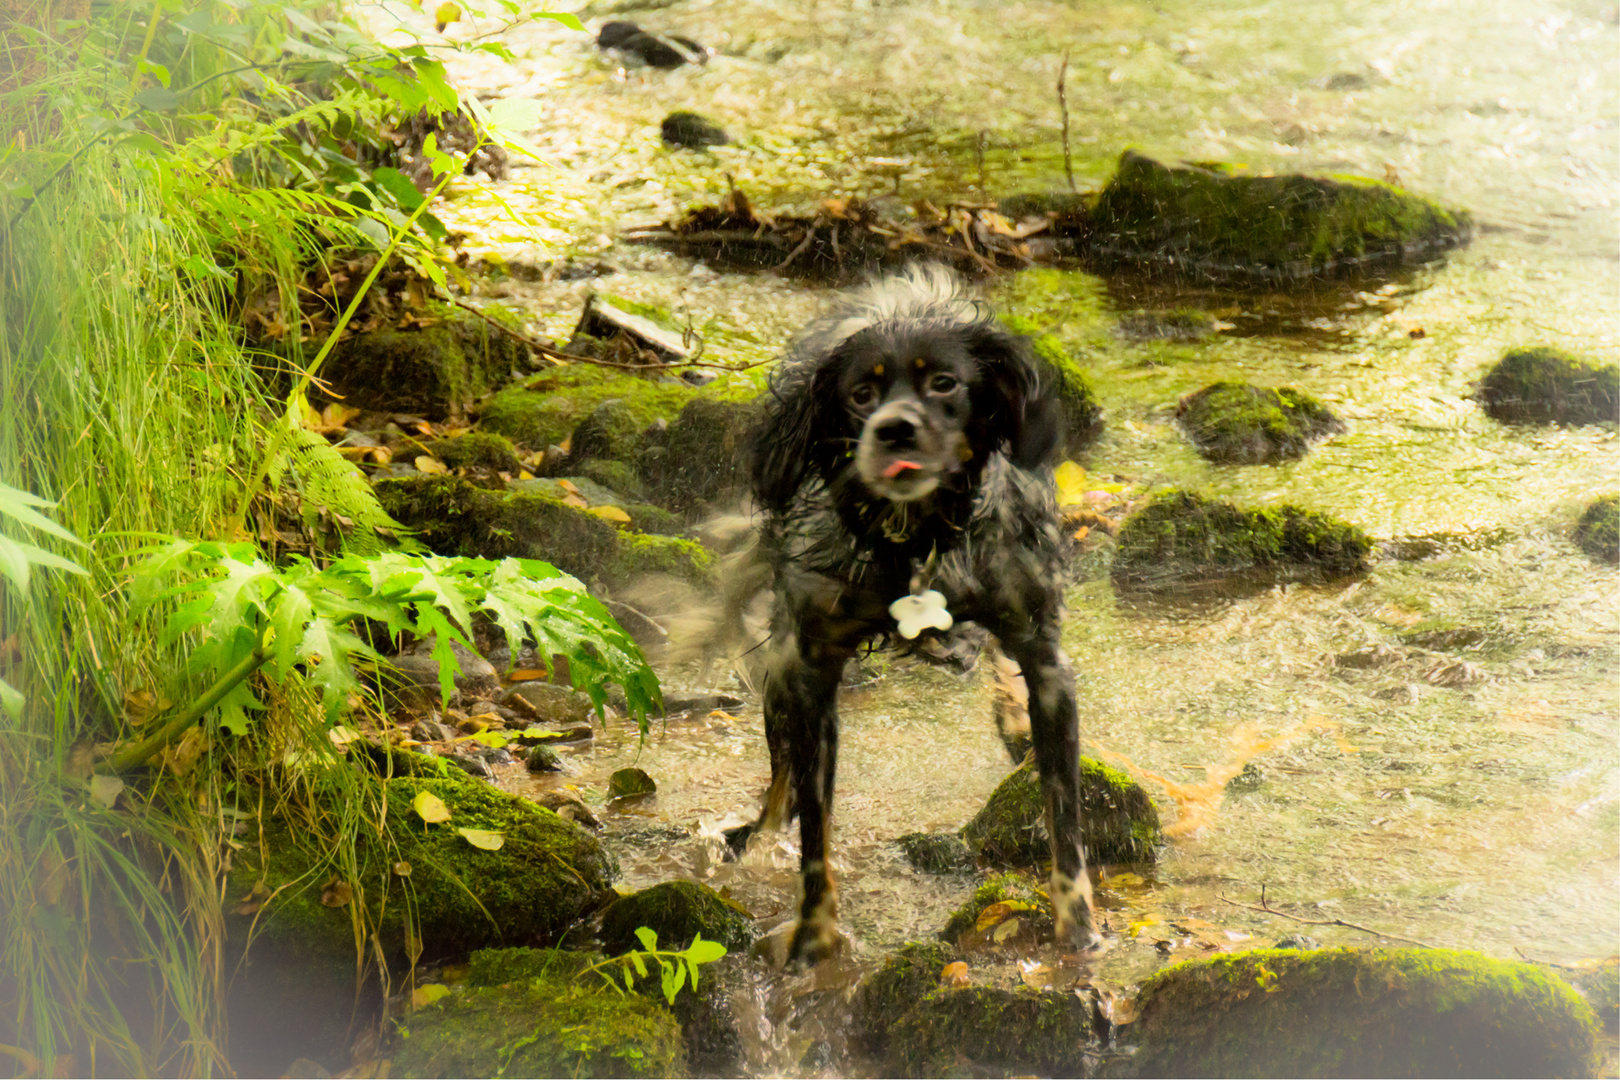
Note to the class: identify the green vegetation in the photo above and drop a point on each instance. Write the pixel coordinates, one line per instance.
(1543, 385)
(1118, 820)
(1598, 531)
(996, 889)
(1082, 414)
(677, 911)
(1349, 1012)
(1017, 1031)
(1237, 424)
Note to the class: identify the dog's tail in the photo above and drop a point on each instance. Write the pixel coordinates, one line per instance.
(730, 629)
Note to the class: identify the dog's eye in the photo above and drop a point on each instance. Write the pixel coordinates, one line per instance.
(863, 395)
(942, 384)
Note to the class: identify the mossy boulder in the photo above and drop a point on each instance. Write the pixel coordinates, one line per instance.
(433, 372)
(703, 458)
(974, 1030)
(996, 889)
(617, 476)
(1598, 531)
(477, 450)
(454, 516)
(676, 911)
(545, 1019)
(1544, 385)
(613, 431)
(1206, 223)
(936, 853)
(548, 408)
(902, 980)
(1118, 822)
(295, 957)
(1234, 423)
(1354, 1012)
(1181, 539)
(1082, 414)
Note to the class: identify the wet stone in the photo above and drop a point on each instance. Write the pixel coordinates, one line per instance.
(936, 853)
(631, 783)
(899, 983)
(1045, 1032)
(1236, 424)
(1118, 822)
(1542, 385)
(630, 41)
(551, 704)
(542, 759)
(1598, 531)
(691, 130)
(677, 911)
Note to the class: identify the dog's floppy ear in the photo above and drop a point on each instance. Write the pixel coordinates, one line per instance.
(1018, 404)
(795, 433)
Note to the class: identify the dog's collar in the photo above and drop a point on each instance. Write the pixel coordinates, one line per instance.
(924, 607)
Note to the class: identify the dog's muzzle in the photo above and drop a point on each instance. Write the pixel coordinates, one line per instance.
(900, 456)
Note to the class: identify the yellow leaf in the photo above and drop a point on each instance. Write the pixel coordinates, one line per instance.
(336, 894)
(483, 838)
(954, 974)
(1006, 930)
(427, 994)
(445, 15)
(1143, 923)
(1071, 483)
(610, 513)
(430, 465)
(998, 912)
(430, 808)
(568, 486)
(1125, 878)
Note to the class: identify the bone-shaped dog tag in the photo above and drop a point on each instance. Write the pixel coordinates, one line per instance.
(919, 612)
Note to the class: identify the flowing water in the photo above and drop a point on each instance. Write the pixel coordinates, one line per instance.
(1463, 791)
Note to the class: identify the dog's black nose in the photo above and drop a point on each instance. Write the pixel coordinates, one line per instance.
(899, 433)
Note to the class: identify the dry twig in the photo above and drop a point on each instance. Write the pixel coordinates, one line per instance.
(1063, 106)
(1269, 910)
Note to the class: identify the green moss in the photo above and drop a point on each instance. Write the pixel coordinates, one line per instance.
(996, 889)
(498, 967)
(477, 449)
(645, 554)
(1082, 414)
(1346, 1012)
(1118, 822)
(1598, 531)
(1546, 385)
(899, 983)
(1182, 539)
(617, 476)
(1206, 224)
(612, 431)
(432, 372)
(645, 517)
(1176, 324)
(676, 911)
(936, 853)
(991, 1029)
(542, 1026)
(1238, 424)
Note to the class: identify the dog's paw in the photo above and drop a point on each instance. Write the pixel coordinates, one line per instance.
(737, 841)
(813, 942)
(1072, 917)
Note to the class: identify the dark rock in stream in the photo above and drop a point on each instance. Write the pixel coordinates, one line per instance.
(1237, 424)
(690, 130)
(631, 783)
(1118, 821)
(1009, 889)
(542, 758)
(885, 995)
(528, 1012)
(991, 1029)
(1181, 540)
(477, 450)
(655, 50)
(937, 853)
(1209, 224)
(1544, 385)
(297, 972)
(434, 372)
(1358, 1012)
(677, 911)
(1598, 531)
(551, 704)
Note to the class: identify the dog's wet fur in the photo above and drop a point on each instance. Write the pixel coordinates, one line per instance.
(908, 443)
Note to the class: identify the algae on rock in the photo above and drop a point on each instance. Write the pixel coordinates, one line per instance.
(1210, 224)
(1182, 539)
(899, 983)
(1543, 385)
(1118, 822)
(1350, 1012)
(1045, 1032)
(1237, 424)
(996, 889)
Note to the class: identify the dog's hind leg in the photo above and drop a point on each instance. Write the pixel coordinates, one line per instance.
(1055, 731)
(1009, 704)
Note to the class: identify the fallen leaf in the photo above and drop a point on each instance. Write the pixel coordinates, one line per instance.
(996, 913)
(430, 808)
(526, 674)
(1035, 975)
(721, 714)
(183, 755)
(954, 974)
(402, 868)
(427, 994)
(104, 790)
(610, 513)
(575, 501)
(492, 739)
(483, 838)
(1071, 483)
(569, 486)
(336, 894)
(342, 735)
(430, 465)
(1125, 879)
(1143, 923)
(1006, 930)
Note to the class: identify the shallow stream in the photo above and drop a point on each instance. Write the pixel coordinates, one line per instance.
(1464, 791)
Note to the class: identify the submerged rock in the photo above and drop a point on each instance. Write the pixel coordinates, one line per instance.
(453, 516)
(1598, 531)
(655, 50)
(1118, 822)
(899, 983)
(691, 130)
(1359, 1012)
(538, 1013)
(1208, 224)
(677, 911)
(990, 1029)
(433, 372)
(1082, 414)
(1177, 324)
(936, 853)
(1543, 385)
(630, 783)
(1181, 539)
(1238, 424)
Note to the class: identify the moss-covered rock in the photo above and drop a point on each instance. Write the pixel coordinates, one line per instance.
(617, 476)
(499, 967)
(453, 516)
(477, 450)
(548, 408)
(702, 460)
(1082, 414)
(295, 958)
(676, 911)
(550, 1024)
(1349, 1012)
(612, 431)
(1598, 531)
(1237, 424)
(1204, 223)
(936, 853)
(996, 889)
(1182, 539)
(899, 983)
(1117, 820)
(1544, 385)
(630, 783)
(433, 372)
(972, 1030)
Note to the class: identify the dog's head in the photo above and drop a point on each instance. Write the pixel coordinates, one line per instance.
(907, 389)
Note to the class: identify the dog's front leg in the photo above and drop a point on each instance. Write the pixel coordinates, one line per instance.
(1054, 723)
(801, 699)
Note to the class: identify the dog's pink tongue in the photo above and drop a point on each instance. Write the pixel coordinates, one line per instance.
(897, 467)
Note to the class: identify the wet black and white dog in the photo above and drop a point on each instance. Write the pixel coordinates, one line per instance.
(903, 476)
